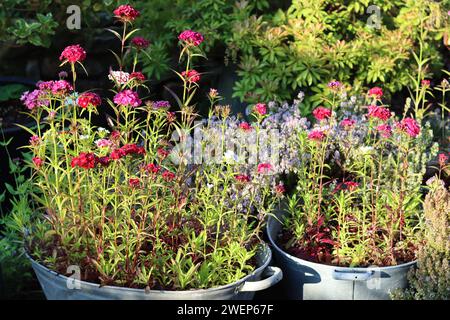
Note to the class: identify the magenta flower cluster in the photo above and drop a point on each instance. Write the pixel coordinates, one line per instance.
(191, 38)
(161, 104)
(140, 42)
(127, 98)
(56, 87)
(33, 99)
(409, 126)
(126, 13)
(334, 85)
(74, 53)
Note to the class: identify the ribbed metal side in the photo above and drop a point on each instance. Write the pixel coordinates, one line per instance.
(55, 287)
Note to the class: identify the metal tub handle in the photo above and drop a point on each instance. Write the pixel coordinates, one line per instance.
(274, 275)
(353, 275)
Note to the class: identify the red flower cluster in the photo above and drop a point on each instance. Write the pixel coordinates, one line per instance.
(171, 116)
(261, 109)
(126, 13)
(346, 185)
(245, 126)
(321, 113)
(385, 130)
(89, 99)
(409, 126)
(127, 149)
(280, 189)
(104, 161)
(264, 167)
(191, 38)
(243, 178)
(138, 76)
(35, 140)
(140, 43)
(191, 76)
(115, 135)
(74, 53)
(376, 92)
(442, 159)
(152, 168)
(347, 123)
(134, 182)
(162, 153)
(133, 149)
(426, 83)
(379, 112)
(316, 135)
(37, 162)
(85, 160)
(117, 154)
(168, 176)
(351, 185)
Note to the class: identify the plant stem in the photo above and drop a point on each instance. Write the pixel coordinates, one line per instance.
(122, 45)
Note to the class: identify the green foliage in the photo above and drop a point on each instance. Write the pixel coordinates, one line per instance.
(314, 42)
(11, 91)
(165, 20)
(156, 64)
(35, 22)
(34, 32)
(279, 52)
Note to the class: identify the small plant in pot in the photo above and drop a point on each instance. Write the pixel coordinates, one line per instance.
(351, 228)
(125, 213)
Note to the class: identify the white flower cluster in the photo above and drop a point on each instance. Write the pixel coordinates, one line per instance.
(119, 77)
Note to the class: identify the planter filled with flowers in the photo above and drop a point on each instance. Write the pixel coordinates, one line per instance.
(351, 228)
(124, 212)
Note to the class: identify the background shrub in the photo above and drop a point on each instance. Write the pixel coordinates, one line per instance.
(284, 47)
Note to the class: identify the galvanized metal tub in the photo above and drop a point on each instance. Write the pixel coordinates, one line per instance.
(305, 280)
(60, 287)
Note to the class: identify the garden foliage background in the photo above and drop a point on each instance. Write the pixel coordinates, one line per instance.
(265, 50)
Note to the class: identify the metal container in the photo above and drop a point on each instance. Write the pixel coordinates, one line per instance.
(307, 280)
(60, 287)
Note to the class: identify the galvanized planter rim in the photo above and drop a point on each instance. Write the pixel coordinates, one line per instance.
(315, 264)
(265, 249)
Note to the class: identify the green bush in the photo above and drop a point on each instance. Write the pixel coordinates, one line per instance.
(279, 47)
(164, 20)
(37, 21)
(314, 42)
(280, 51)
